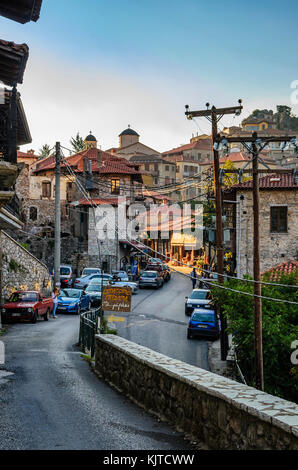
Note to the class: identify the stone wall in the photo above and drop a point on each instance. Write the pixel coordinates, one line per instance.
(21, 270)
(207, 407)
(275, 248)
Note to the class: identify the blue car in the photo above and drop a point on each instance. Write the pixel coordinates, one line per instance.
(73, 301)
(203, 322)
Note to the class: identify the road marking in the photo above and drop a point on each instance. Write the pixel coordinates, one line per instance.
(112, 319)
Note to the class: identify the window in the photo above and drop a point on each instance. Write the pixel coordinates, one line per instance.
(33, 213)
(115, 186)
(147, 166)
(46, 189)
(167, 168)
(279, 219)
(155, 166)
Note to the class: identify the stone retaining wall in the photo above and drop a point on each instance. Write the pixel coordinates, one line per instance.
(210, 408)
(21, 270)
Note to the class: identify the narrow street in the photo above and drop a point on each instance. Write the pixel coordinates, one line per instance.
(52, 400)
(158, 321)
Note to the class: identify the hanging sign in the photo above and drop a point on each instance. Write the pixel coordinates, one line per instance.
(116, 299)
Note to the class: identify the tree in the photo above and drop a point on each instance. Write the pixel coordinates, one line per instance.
(280, 330)
(45, 151)
(231, 178)
(77, 143)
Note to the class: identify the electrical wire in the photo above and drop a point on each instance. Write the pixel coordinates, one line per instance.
(207, 282)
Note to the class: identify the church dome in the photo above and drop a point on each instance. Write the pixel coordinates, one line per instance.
(129, 131)
(90, 138)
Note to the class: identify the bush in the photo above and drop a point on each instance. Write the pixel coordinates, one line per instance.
(280, 329)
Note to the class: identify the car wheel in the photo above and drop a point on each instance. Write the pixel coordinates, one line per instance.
(46, 315)
(34, 317)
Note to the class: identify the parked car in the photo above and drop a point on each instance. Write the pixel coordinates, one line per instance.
(203, 322)
(122, 275)
(168, 272)
(27, 305)
(88, 271)
(94, 292)
(73, 301)
(84, 281)
(151, 279)
(160, 269)
(155, 261)
(66, 275)
(199, 298)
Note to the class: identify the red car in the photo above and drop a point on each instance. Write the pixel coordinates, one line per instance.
(27, 305)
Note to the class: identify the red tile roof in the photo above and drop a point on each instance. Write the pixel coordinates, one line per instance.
(288, 267)
(204, 144)
(272, 181)
(96, 202)
(110, 164)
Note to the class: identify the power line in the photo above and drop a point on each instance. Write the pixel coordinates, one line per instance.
(208, 282)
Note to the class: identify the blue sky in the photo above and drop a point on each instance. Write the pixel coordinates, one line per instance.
(99, 65)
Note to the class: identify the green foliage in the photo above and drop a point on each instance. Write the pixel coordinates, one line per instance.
(280, 329)
(284, 118)
(45, 151)
(77, 143)
(105, 328)
(24, 245)
(13, 265)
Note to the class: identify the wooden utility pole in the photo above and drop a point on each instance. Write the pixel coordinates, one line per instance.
(258, 334)
(57, 254)
(255, 151)
(214, 115)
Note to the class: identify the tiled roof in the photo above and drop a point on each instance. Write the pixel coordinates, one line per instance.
(204, 144)
(272, 181)
(96, 202)
(288, 267)
(111, 164)
(13, 60)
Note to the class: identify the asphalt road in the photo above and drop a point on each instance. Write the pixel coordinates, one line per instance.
(158, 321)
(52, 400)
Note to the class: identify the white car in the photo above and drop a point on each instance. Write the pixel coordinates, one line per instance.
(109, 280)
(199, 298)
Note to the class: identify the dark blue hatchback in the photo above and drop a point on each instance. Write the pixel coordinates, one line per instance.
(203, 322)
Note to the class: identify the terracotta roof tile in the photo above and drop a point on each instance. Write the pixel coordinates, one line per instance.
(288, 267)
(272, 181)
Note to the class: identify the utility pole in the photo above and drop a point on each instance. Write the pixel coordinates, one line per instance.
(57, 254)
(258, 334)
(1, 276)
(214, 115)
(255, 146)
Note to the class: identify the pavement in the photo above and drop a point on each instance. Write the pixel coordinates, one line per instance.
(158, 321)
(50, 398)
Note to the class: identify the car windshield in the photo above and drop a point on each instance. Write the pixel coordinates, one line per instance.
(23, 297)
(88, 271)
(74, 293)
(148, 275)
(64, 271)
(94, 287)
(203, 317)
(197, 294)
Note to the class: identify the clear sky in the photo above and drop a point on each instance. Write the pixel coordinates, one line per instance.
(103, 64)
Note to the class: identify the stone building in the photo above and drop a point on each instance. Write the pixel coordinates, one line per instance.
(101, 174)
(278, 220)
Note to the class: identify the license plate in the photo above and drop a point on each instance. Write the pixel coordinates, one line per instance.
(16, 314)
(203, 326)
(62, 308)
